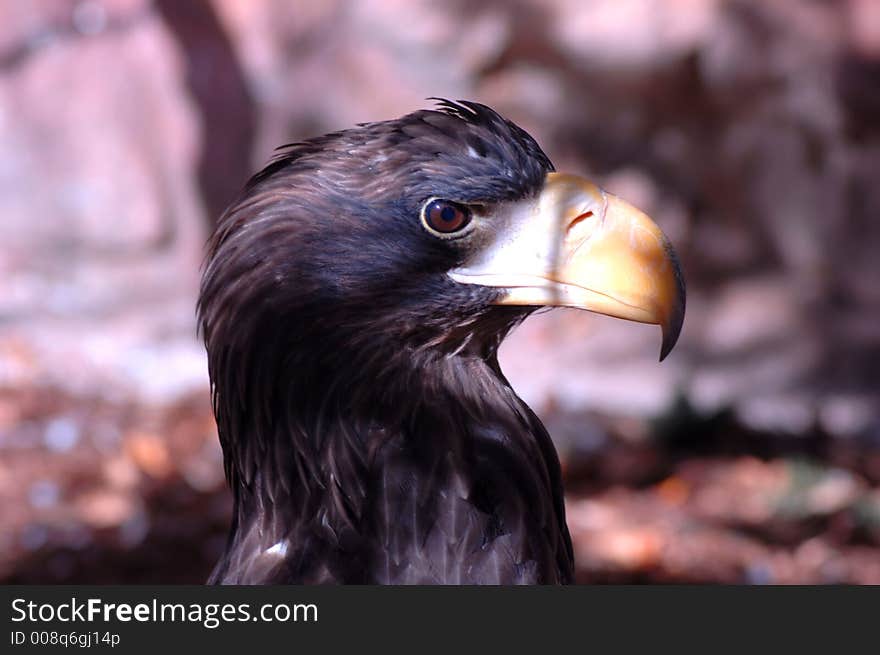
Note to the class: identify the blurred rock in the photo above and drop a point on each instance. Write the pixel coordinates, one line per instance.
(102, 228)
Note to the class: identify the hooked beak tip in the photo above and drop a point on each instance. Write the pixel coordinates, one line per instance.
(674, 322)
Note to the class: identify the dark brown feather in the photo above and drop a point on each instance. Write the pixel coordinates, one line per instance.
(368, 434)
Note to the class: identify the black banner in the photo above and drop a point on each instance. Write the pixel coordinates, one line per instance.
(241, 619)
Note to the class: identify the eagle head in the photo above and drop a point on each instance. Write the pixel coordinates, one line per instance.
(368, 273)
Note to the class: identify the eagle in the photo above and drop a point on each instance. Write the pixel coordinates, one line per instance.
(352, 303)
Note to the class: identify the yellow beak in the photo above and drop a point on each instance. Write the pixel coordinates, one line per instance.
(577, 246)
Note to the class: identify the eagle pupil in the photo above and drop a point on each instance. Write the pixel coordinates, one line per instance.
(445, 216)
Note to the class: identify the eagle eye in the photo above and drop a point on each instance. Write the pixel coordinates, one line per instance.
(444, 217)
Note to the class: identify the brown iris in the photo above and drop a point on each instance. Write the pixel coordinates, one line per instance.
(445, 216)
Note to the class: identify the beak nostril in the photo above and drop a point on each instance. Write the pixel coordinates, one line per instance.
(580, 218)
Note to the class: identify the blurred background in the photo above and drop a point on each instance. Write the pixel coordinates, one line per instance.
(749, 130)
